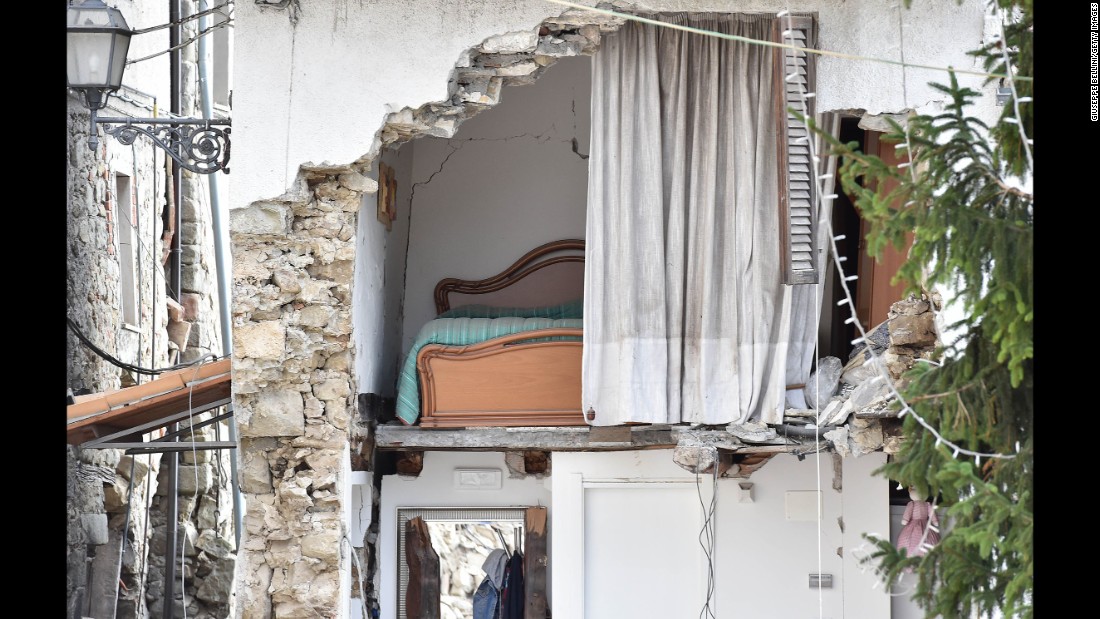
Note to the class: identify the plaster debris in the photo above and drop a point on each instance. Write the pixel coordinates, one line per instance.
(823, 382)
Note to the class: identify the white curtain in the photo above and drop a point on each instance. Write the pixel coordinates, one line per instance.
(685, 316)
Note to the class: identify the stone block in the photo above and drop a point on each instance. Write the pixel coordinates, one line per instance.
(276, 413)
(511, 43)
(332, 389)
(913, 331)
(95, 529)
(194, 478)
(260, 340)
(261, 218)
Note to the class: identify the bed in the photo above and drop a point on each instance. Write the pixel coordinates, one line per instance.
(503, 351)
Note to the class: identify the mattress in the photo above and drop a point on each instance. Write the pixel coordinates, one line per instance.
(462, 331)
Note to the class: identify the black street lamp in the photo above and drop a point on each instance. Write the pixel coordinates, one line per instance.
(98, 38)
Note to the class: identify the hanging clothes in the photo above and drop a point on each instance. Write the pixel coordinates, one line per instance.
(512, 597)
(487, 597)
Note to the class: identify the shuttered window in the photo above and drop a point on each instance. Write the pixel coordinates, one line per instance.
(797, 188)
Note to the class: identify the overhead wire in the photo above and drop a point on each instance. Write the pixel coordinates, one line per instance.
(766, 43)
(180, 22)
(122, 364)
(182, 44)
(818, 208)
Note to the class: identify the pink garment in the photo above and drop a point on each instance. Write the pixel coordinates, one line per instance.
(916, 520)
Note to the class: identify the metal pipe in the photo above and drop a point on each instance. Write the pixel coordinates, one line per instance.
(173, 458)
(123, 120)
(222, 266)
(803, 431)
(125, 534)
(177, 172)
(135, 208)
(172, 524)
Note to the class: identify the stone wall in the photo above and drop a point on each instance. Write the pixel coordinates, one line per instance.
(103, 507)
(98, 481)
(205, 503)
(294, 391)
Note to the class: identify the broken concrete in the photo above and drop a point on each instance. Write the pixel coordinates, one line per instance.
(823, 382)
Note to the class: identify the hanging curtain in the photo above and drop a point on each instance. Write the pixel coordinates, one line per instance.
(685, 316)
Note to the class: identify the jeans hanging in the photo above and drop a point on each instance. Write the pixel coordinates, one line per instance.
(486, 601)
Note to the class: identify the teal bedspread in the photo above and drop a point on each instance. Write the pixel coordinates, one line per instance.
(464, 331)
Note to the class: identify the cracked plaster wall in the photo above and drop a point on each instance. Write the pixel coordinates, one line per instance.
(465, 222)
(370, 59)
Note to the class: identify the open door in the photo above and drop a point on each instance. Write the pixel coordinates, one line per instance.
(874, 292)
(422, 593)
(534, 563)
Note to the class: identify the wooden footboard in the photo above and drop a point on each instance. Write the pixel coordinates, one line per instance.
(506, 381)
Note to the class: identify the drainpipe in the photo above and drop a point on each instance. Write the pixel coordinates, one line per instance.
(221, 266)
(172, 473)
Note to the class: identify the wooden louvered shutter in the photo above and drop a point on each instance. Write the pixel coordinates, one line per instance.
(797, 186)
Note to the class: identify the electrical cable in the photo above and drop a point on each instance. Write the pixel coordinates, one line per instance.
(224, 24)
(765, 43)
(707, 535)
(359, 573)
(129, 366)
(216, 9)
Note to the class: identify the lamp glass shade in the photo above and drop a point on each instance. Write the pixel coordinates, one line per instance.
(97, 39)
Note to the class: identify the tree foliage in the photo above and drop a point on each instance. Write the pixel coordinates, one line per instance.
(966, 200)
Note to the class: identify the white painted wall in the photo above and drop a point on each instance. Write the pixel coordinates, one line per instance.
(379, 281)
(435, 488)
(507, 182)
(763, 560)
(149, 76)
(319, 88)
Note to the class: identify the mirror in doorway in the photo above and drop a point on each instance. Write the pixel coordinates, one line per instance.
(456, 541)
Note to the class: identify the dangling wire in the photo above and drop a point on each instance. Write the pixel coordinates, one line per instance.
(707, 535)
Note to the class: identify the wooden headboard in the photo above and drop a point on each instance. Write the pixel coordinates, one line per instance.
(548, 274)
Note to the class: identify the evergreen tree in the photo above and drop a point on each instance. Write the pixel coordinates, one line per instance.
(965, 199)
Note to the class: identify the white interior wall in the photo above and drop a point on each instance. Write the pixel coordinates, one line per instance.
(434, 487)
(367, 295)
(507, 182)
(763, 560)
(380, 280)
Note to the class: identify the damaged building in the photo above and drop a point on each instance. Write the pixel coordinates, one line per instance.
(528, 289)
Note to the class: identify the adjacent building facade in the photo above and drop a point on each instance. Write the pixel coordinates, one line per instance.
(143, 304)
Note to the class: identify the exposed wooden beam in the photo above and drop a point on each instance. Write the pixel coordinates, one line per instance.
(402, 438)
(751, 463)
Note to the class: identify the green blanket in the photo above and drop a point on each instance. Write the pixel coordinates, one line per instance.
(461, 332)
